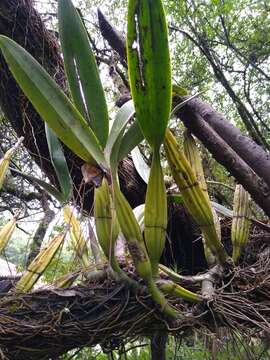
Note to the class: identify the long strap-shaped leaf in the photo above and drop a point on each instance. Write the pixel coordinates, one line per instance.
(81, 69)
(51, 103)
(116, 134)
(59, 163)
(132, 137)
(149, 67)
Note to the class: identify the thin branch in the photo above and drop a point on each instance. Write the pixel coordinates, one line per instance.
(22, 195)
(245, 115)
(239, 54)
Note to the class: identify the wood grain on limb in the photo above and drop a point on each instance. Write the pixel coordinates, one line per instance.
(100, 311)
(254, 155)
(227, 157)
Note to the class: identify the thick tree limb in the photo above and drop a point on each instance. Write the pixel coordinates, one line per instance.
(227, 157)
(49, 322)
(52, 322)
(245, 147)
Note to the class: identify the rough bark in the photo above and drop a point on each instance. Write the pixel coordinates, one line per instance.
(60, 320)
(48, 322)
(115, 39)
(20, 21)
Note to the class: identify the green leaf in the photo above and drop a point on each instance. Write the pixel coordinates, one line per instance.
(47, 187)
(51, 103)
(82, 71)
(132, 137)
(59, 163)
(115, 137)
(149, 67)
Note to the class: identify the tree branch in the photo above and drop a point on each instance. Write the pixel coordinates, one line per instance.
(113, 36)
(246, 148)
(22, 195)
(227, 157)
